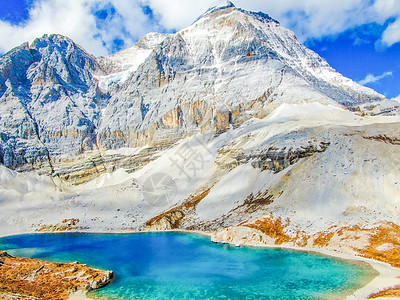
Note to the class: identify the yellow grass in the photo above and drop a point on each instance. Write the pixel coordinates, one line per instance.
(388, 233)
(176, 214)
(393, 292)
(271, 227)
(44, 280)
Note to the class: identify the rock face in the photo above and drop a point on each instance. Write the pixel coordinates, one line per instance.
(49, 101)
(231, 65)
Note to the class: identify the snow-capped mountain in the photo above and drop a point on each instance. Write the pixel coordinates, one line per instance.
(50, 102)
(229, 126)
(228, 67)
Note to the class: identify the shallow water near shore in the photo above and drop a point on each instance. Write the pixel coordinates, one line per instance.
(185, 266)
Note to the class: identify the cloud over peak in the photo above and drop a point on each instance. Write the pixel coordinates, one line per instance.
(99, 26)
(106, 26)
(370, 78)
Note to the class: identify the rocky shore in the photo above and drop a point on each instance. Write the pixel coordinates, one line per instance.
(27, 278)
(376, 246)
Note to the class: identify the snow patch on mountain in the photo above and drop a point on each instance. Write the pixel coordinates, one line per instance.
(124, 63)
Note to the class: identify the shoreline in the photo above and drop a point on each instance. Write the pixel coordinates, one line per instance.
(388, 276)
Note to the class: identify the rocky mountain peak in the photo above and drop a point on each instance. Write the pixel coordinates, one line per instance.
(227, 7)
(53, 40)
(51, 59)
(219, 5)
(222, 5)
(57, 49)
(225, 69)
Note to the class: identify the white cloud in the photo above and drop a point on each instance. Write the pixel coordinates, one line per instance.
(391, 35)
(396, 98)
(75, 18)
(370, 78)
(389, 9)
(177, 14)
(70, 18)
(307, 18)
(314, 18)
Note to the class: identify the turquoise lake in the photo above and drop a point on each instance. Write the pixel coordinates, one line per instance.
(185, 266)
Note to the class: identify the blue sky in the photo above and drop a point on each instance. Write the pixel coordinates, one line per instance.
(359, 38)
(356, 54)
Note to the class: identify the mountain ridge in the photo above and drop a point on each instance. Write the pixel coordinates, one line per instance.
(102, 106)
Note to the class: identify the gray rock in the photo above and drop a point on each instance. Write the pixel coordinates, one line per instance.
(229, 66)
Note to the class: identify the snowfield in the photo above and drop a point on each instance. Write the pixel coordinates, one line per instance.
(318, 191)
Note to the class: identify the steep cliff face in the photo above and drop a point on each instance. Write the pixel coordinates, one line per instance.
(237, 64)
(50, 101)
(230, 66)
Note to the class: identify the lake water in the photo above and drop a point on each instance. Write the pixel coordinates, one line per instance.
(185, 266)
